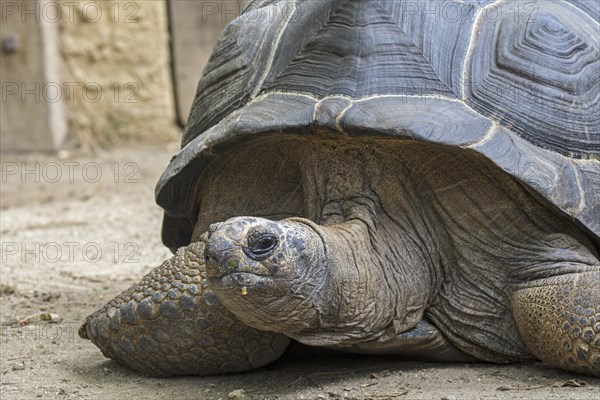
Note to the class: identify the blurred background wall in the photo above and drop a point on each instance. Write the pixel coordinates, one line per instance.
(93, 74)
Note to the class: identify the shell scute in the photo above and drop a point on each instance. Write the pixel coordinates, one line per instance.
(538, 75)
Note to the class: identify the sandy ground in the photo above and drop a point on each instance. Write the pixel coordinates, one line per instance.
(72, 242)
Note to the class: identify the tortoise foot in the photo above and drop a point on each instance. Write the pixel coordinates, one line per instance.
(559, 320)
(168, 324)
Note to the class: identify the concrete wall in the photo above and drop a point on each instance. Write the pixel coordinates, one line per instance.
(117, 53)
(109, 61)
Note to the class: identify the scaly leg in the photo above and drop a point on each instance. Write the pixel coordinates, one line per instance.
(169, 324)
(559, 320)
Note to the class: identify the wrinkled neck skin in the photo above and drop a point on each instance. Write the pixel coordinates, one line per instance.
(374, 273)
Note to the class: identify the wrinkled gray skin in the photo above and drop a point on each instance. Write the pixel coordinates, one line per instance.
(369, 246)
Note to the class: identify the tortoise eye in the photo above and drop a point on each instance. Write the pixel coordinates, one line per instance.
(262, 246)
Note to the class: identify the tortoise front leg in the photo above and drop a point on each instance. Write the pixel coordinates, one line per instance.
(423, 342)
(559, 320)
(168, 324)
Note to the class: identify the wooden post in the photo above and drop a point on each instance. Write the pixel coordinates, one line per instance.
(32, 114)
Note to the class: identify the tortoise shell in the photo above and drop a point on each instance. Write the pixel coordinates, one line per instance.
(517, 82)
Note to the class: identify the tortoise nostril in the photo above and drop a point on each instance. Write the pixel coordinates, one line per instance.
(213, 227)
(210, 256)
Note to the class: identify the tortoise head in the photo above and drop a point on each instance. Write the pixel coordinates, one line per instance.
(268, 273)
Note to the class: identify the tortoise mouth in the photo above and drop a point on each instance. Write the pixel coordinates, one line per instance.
(231, 267)
(241, 281)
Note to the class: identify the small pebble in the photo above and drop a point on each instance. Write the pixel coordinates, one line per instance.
(237, 394)
(449, 397)
(7, 289)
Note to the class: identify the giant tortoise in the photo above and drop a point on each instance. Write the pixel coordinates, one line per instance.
(419, 179)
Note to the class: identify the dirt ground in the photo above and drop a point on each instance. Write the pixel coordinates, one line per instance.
(72, 240)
